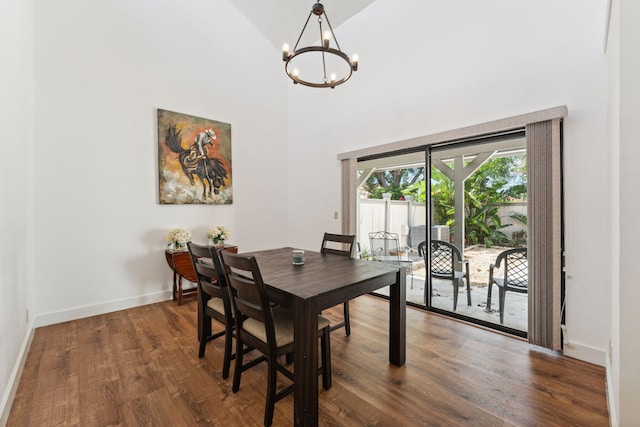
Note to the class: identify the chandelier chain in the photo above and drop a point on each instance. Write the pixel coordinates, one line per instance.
(302, 32)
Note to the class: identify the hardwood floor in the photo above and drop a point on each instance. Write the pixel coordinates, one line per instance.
(140, 367)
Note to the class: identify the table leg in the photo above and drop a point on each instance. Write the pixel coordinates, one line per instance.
(175, 284)
(305, 398)
(179, 289)
(398, 319)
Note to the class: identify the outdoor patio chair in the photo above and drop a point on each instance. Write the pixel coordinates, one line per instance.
(417, 234)
(385, 247)
(340, 244)
(268, 329)
(514, 279)
(444, 258)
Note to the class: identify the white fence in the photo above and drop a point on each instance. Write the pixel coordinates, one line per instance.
(395, 216)
(505, 212)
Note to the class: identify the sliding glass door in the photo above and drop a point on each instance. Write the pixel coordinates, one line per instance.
(453, 209)
(478, 198)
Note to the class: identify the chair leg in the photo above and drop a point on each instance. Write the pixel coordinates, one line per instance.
(238, 366)
(325, 347)
(202, 348)
(347, 321)
(487, 309)
(271, 389)
(456, 284)
(468, 292)
(228, 342)
(204, 330)
(501, 295)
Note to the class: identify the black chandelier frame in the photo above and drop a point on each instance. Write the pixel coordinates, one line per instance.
(324, 49)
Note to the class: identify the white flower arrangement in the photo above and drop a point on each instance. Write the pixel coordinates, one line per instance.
(219, 234)
(178, 238)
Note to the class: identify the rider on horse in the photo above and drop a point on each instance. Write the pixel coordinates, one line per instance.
(198, 150)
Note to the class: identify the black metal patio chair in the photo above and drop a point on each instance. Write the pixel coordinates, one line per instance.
(385, 247)
(514, 279)
(443, 260)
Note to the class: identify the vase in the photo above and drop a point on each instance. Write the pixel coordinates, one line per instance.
(218, 244)
(177, 247)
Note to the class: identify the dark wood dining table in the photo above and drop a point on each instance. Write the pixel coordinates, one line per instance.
(323, 282)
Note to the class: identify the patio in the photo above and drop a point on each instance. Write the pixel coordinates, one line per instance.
(515, 315)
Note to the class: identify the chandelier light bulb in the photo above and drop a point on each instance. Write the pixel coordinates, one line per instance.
(354, 62)
(285, 52)
(325, 40)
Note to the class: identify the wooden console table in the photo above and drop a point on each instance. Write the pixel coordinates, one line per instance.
(180, 263)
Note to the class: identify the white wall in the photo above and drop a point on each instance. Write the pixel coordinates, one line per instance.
(460, 63)
(612, 45)
(102, 70)
(16, 191)
(626, 293)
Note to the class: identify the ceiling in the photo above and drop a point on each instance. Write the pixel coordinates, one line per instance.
(281, 21)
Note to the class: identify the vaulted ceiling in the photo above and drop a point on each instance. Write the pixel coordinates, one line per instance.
(281, 20)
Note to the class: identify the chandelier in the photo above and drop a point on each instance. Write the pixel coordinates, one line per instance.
(320, 57)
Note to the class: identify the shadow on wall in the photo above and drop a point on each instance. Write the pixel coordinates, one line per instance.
(149, 272)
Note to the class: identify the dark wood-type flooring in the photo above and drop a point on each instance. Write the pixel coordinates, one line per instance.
(140, 367)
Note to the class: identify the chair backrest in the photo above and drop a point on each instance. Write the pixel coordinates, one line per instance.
(417, 234)
(422, 248)
(209, 278)
(248, 293)
(516, 267)
(338, 244)
(443, 259)
(384, 244)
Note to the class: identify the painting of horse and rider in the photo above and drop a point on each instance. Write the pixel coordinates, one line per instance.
(194, 159)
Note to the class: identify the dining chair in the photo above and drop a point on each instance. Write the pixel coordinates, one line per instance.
(340, 244)
(444, 257)
(213, 301)
(515, 277)
(269, 329)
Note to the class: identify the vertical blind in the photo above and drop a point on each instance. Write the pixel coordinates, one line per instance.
(544, 233)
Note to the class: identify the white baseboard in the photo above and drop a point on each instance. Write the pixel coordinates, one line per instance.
(12, 387)
(611, 403)
(102, 308)
(584, 352)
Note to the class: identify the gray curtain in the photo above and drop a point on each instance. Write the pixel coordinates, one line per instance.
(544, 232)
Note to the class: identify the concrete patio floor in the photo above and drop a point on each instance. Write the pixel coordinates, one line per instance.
(515, 315)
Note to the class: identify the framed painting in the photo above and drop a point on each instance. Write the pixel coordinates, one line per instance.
(194, 160)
